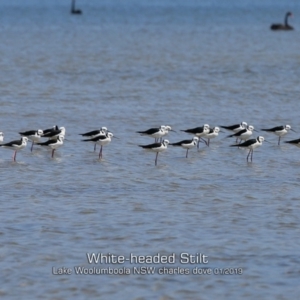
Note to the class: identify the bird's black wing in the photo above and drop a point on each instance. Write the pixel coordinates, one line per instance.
(151, 146)
(245, 144)
(90, 133)
(27, 133)
(149, 131)
(232, 127)
(277, 128)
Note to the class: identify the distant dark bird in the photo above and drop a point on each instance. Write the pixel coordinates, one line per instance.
(294, 142)
(187, 144)
(251, 144)
(279, 131)
(284, 26)
(16, 145)
(156, 147)
(74, 10)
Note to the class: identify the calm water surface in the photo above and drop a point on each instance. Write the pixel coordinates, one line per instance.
(130, 66)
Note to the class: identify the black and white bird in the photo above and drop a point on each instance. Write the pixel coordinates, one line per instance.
(101, 140)
(53, 143)
(243, 134)
(251, 144)
(33, 135)
(155, 133)
(187, 144)
(55, 133)
(1, 137)
(236, 127)
(294, 142)
(198, 131)
(94, 133)
(16, 145)
(279, 131)
(156, 147)
(213, 132)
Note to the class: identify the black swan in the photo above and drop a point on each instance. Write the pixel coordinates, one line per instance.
(284, 26)
(74, 10)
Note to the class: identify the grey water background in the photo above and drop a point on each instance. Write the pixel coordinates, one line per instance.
(131, 65)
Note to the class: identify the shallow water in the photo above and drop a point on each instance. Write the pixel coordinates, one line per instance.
(132, 66)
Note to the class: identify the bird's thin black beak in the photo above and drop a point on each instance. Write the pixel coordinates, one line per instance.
(255, 130)
(172, 130)
(115, 137)
(268, 142)
(293, 130)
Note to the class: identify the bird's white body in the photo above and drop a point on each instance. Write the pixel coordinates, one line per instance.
(214, 132)
(101, 132)
(205, 131)
(257, 144)
(190, 145)
(106, 139)
(245, 134)
(58, 143)
(1, 137)
(243, 125)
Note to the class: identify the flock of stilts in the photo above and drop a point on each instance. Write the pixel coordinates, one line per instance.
(54, 135)
(242, 132)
